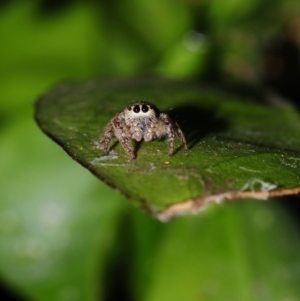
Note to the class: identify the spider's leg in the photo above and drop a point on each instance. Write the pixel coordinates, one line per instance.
(122, 134)
(179, 132)
(169, 131)
(106, 137)
(124, 141)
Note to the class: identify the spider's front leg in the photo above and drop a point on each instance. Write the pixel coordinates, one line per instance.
(106, 137)
(180, 134)
(172, 129)
(169, 131)
(123, 135)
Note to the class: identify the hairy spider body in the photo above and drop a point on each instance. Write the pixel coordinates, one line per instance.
(141, 120)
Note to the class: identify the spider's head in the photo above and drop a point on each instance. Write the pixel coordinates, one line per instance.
(141, 109)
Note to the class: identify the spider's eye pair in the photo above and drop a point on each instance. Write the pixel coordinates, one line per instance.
(136, 108)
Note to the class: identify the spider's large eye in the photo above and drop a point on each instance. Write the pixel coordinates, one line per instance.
(136, 109)
(145, 108)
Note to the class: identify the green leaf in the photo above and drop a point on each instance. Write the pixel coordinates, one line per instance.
(55, 231)
(235, 144)
(237, 251)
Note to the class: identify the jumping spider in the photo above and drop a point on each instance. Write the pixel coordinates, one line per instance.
(141, 120)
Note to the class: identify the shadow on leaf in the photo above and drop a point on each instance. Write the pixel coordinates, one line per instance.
(197, 122)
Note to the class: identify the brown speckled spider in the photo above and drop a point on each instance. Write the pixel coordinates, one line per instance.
(141, 120)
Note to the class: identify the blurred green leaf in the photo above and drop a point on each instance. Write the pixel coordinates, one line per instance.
(232, 141)
(158, 23)
(57, 226)
(230, 12)
(236, 251)
(186, 58)
(37, 52)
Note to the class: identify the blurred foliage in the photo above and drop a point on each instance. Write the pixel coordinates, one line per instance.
(65, 236)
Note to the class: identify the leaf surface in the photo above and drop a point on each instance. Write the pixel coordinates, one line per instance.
(234, 144)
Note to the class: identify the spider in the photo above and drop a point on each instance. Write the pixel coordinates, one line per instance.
(141, 120)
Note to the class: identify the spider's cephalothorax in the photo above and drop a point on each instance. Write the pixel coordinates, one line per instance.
(141, 120)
